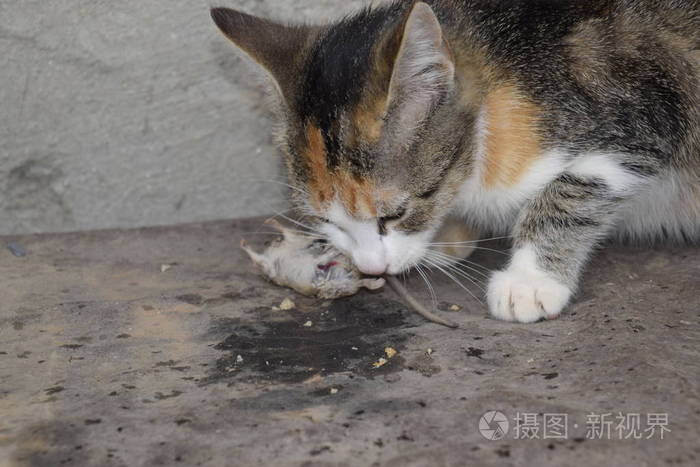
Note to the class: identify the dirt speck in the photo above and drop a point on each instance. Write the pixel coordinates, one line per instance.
(161, 396)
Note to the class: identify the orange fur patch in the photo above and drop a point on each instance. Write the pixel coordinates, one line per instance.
(513, 142)
(321, 184)
(368, 120)
(356, 194)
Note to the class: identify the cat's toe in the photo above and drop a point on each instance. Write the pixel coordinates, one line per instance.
(516, 295)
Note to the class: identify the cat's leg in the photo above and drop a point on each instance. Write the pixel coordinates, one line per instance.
(456, 239)
(553, 239)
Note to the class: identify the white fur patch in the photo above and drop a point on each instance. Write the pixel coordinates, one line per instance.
(495, 209)
(373, 253)
(525, 293)
(405, 251)
(604, 166)
(665, 208)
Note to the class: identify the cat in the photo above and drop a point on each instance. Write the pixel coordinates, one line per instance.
(559, 123)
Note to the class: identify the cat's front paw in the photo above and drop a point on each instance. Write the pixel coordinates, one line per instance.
(526, 294)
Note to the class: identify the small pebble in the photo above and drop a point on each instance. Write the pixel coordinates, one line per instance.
(17, 250)
(429, 352)
(287, 304)
(165, 267)
(390, 352)
(239, 359)
(455, 308)
(334, 390)
(308, 324)
(380, 363)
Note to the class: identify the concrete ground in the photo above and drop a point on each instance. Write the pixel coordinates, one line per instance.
(130, 113)
(162, 347)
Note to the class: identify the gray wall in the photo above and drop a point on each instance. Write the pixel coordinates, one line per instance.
(130, 113)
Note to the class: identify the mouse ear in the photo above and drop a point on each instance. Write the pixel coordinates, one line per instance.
(257, 258)
(373, 284)
(274, 223)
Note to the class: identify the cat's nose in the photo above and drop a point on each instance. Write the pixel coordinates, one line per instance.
(373, 271)
(370, 265)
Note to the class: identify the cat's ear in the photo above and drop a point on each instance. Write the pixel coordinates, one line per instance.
(278, 48)
(423, 69)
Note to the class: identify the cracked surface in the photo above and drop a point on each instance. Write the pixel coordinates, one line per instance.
(108, 358)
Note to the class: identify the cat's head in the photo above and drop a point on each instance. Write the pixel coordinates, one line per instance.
(374, 128)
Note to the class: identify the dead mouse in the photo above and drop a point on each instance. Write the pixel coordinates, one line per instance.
(315, 268)
(310, 266)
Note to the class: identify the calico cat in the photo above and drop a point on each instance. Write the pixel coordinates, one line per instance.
(560, 123)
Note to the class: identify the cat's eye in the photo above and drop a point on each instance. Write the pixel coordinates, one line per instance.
(382, 221)
(394, 217)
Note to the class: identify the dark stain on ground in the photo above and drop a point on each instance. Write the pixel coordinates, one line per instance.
(326, 391)
(160, 396)
(168, 363)
(71, 346)
(348, 336)
(424, 365)
(191, 299)
(474, 352)
(49, 444)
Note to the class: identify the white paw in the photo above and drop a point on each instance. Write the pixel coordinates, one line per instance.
(525, 294)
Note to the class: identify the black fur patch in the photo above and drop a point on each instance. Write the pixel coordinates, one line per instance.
(337, 69)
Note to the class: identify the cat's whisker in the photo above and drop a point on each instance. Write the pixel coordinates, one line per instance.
(500, 252)
(468, 242)
(300, 233)
(456, 259)
(486, 275)
(295, 188)
(454, 279)
(456, 266)
(431, 289)
(298, 223)
(464, 274)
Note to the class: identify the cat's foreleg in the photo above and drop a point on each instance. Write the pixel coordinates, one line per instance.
(553, 239)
